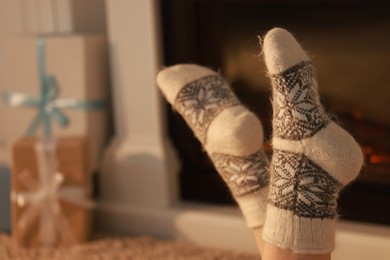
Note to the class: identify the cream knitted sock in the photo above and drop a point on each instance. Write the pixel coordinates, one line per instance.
(313, 157)
(231, 135)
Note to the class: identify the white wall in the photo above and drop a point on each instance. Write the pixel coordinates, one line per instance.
(139, 168)
(11, 22)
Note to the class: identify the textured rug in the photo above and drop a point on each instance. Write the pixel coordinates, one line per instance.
(114, 247)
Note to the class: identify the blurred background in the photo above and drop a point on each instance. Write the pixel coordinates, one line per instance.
(145, 155)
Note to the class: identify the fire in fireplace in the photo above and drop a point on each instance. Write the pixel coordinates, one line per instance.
(350, 46)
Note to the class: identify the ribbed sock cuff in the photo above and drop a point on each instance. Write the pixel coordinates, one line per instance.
(253, 207)
(299, 234)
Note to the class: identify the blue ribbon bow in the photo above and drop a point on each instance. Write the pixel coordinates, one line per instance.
(48, 104)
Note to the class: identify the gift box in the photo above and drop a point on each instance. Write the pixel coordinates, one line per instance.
(77, 65)
(50, 191)
(5, 190)
(63, 16)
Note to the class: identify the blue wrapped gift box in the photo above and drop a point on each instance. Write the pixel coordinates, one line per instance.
(5, 192)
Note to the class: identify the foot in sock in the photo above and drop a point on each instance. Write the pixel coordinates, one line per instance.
(231, 135)
(313, 157)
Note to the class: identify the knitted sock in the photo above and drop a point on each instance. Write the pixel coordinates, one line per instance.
(313, 157)
(231, 135)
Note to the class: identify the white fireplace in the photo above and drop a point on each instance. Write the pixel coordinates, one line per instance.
(139, 178)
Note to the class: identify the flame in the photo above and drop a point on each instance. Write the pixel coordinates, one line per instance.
(385, 159)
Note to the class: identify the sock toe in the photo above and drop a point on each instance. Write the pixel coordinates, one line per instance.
(282, 51)
(174, 78)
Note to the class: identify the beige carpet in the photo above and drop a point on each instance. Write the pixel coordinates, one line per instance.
(104, 247)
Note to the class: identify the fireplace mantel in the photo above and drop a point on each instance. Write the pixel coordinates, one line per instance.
(139, 178)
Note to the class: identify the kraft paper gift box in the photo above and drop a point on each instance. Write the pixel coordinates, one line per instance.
(79, 66)
(5, 189)
(47, 210)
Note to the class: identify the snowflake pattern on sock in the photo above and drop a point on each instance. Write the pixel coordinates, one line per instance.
(301, 186)
(297, 111)
(243, 174)
(200, 101)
